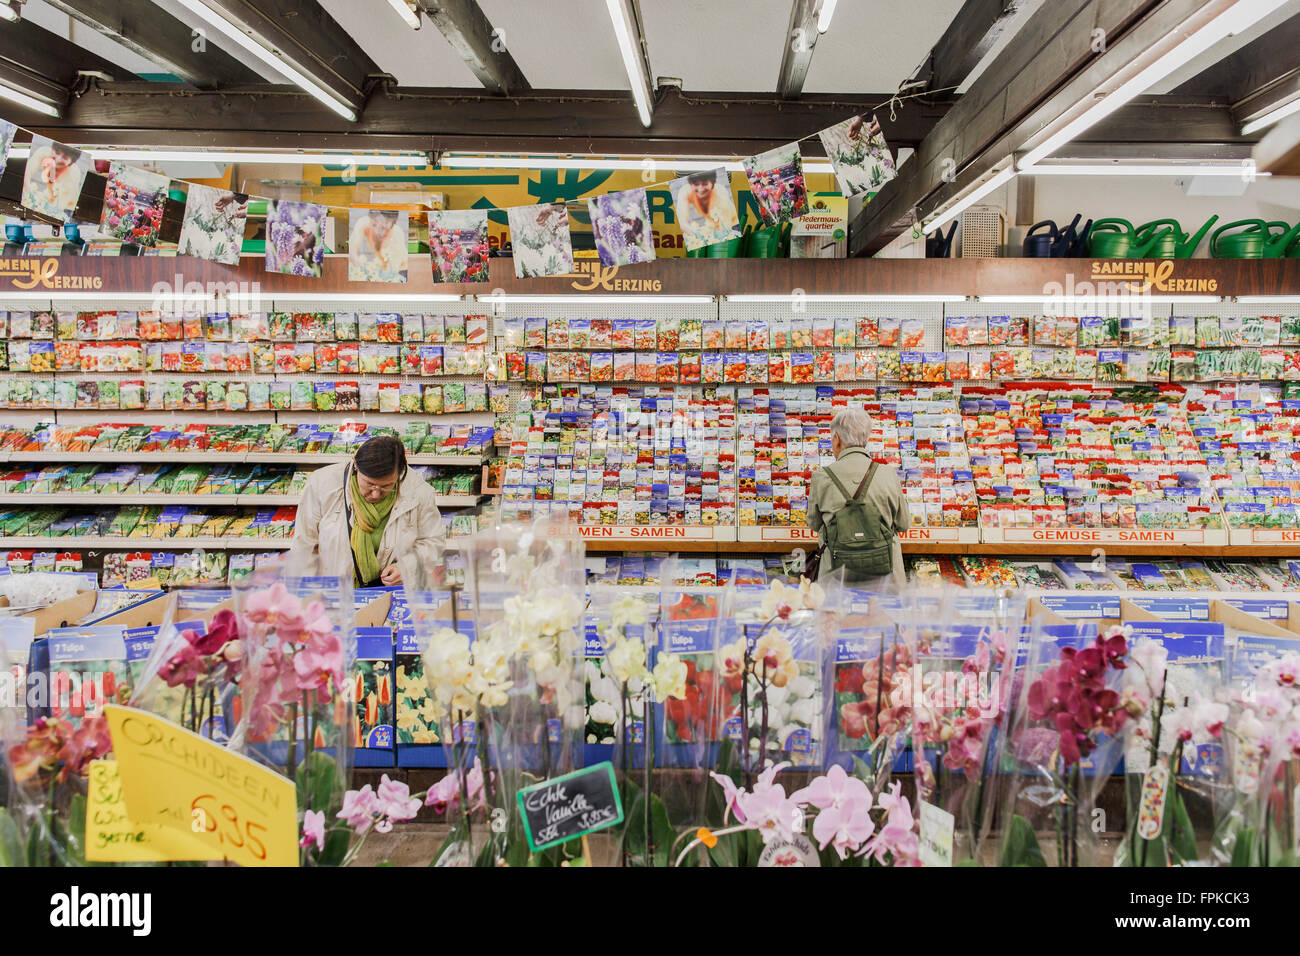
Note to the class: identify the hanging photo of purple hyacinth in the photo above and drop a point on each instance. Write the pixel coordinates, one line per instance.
(295, 239)
(621, 222)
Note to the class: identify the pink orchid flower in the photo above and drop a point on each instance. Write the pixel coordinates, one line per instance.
(359, 808)
(313, 829)
(833, 790)
(394, 803)
(845, 826)
(733, 796)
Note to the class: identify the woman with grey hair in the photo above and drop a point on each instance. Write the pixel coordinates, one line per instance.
(853, 475)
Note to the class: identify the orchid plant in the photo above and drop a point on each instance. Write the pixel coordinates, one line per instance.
(201, 664)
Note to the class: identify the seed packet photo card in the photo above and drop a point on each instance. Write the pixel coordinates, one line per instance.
(621, 224)
(213, 224)
(859, 155)
(377, 245)
(295, 240)
(53, 178)
(540, 240)
(777, 183)
(705, 208)
(133, 204)
(458, 241)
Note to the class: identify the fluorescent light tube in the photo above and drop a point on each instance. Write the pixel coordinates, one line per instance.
(1271, 117)
(360, 297)
(969, 199)
(506, 298)
(1225, 170)
(404, 10)
(630, 47)
(824, 15)
(235, 156)
(1108, 297)
(278, 64)
(23, 98)
(594, 162)
(1264, 299)
(814, 297)
(9, 13)
(1233, 20)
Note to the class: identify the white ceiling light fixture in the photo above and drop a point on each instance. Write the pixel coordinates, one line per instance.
(23, 98)
(506, 298)
(995, 179)
(238, 156)
(7, 12)
(407, 13)
(673, 163)
(363, 297)
(1272, 117)
(1109, 297)
(623, 16)
(824, 14)
(1163, 59)
(1245, 169)
(815, 297)
(280, 64)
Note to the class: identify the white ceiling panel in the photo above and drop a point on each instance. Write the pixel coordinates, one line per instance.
(871, 46)
(420, 57)
(713, 46)
(562, 44)
(46, 17)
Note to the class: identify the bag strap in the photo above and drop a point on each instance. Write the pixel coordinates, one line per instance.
(866, 480)
(347, 512)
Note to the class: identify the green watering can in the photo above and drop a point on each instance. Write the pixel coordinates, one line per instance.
(1171, 241)
(1256, 240)
(1117, 239)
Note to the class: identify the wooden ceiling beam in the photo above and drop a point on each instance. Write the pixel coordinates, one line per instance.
(472, 36)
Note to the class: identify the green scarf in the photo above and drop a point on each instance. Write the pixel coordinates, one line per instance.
(367, 529)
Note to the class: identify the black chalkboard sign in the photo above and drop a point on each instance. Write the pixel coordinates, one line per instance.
(567, 807)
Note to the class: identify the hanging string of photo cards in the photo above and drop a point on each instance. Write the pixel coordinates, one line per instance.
(214, 219)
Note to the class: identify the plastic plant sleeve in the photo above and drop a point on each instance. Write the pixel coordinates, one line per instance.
(964, 644)
(298, 638)
(1046, 799)
(688, 740)
(1178, 792)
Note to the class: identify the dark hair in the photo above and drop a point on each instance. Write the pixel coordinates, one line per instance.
(71, 152)
(381, 456)
(702, 177)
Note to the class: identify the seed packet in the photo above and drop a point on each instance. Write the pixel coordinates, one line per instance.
(1061, 364)
(1290, 330)
(326, 357)
(977, 329)
(347, 397)
(956, 331)
(579, 334)
(666, 367)
(536, 367)
(579, 367)
(279, 396)
(432, 400)
(390, 397)
(431, 360)
(1207, 332)
(668, 333)
(43, 393)
(389, 328)
(845, 366)
(999, 329)
(409, 358)
(194, 394)
(1110, 365)
(711, 367)
(735, 367)
(1182, 365)
(65, 326)
(216, 326)
(453, 397)
(214, 357)
(1135, 366)
(1250, 363)
(368, 327)
(557, 332)
(412, 327)
(824, 366)
(602, 366)
(1230, 363)
(601, 334)
(1158, 364)
(41, 356)
(238, 357)
(557, 366)
(1092, 331)
(214, 395)
(1067, 331)
(647, 366)
(1232, 330)
(1018, 330)
(191, 327)
(263, 356)
(1182, 330)
(624, 364)
(801, 333)
(845, 333)
(1262, 330)
(646, 334)
(42, 325)
(1002, 364)
(369, 395)
(890, 328)
(868, 332)
(349, 357)
(1272, 361)
(756, 336)
(284, 357)
(623, 333)
(864, 365)
(1207, 362)
(20, 356)
(155, 395)
(1044, 328)
(735, 335)
(689, 371)
(823, 333)
(409, 401)
(130, 394)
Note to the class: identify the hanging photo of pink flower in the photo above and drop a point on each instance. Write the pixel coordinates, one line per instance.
(621, 222)
(458, 241)
(133, 204)
(295, 240)
(776, 181)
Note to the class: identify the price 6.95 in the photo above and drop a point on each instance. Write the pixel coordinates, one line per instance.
(209, 816)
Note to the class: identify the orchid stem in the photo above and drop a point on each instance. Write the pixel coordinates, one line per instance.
(307, 742)
(292, 760)
(457, 745)
(696, 842)
(747, 662)
(623, 703)
(645, 791)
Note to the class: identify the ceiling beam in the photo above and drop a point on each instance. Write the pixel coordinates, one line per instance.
(471, 35)
(1245, 71)
(976, 28)
(1044, 77)
(301, 34)
(152, 33)
(574, 121)
(49, 55)
(1279, 151)
(800, 39)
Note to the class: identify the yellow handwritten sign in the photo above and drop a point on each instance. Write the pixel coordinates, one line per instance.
(177, 779)
(113, 837)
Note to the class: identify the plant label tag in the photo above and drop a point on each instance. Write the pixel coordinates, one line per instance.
(570, 806)
(937, 826)
(1155, 788)
(797, 852)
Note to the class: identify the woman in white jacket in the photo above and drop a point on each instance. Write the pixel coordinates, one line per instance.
(365, 515)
